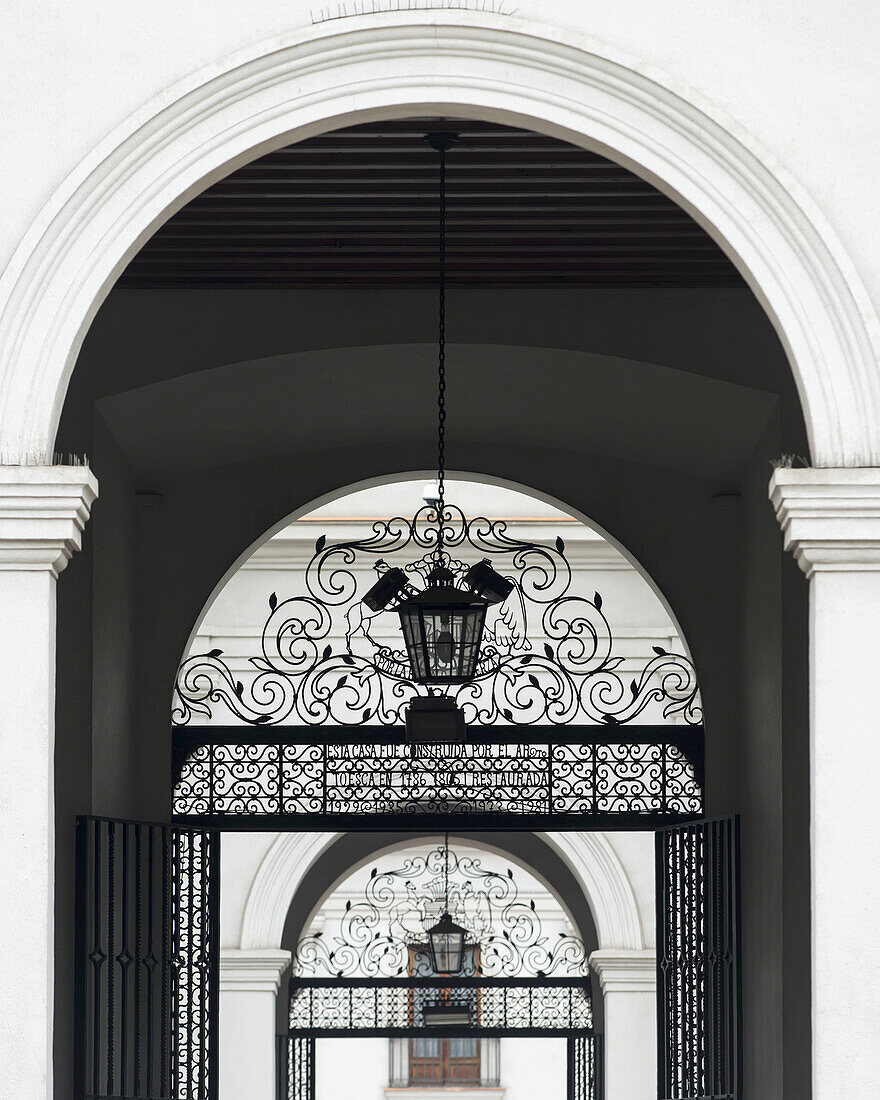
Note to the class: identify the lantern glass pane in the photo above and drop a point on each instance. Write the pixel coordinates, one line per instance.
(410, 622)
(447, 949)
(442, 639)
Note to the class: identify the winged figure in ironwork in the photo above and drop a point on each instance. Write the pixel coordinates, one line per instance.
(507, 624)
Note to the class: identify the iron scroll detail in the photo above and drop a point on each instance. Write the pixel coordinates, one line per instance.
(547, 656)
(502, 777)
(383, 933)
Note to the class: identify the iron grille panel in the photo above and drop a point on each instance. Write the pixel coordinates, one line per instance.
(391, 1007)
(546, 658)
(699, 962)
(147, 961)
(586, 1068)
(235, 777)
(296, 1067)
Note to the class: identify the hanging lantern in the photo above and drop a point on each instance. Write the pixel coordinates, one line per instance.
(446, 945)
(446, 939)
(443, 624)
(442, 628)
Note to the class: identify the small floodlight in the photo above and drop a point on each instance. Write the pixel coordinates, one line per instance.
(386, 589)
(484, 581)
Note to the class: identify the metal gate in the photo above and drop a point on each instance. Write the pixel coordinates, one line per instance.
(147, 958)
(699, 1011)
(295, 1062)
(586, 1068)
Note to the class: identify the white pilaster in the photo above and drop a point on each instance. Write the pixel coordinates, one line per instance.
(628, 981)
(43, 510)
(249, 983)
(831, 522)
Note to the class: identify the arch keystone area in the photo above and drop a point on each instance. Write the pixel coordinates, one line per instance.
(411, 63)
(590, 857)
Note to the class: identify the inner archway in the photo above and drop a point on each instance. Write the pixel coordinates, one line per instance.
(592, 872)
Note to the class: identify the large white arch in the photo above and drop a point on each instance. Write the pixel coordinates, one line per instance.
(446, 62)
(591, 858)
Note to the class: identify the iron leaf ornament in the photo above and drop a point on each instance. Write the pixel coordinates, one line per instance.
(547, 655)
(384, 933)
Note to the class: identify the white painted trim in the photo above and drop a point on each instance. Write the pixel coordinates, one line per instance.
(454, 62)
(606, 885)
(252, 971)
(625, 971)
(475, 1093)
(276, 882)
(830, 518)
(43, 510)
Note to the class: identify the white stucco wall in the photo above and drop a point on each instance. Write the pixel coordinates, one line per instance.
(799, 77)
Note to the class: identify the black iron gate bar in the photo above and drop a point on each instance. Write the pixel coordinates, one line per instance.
(586, 1068)
(147, 961)
(393, 1007)
(504, 776)
(699, 957)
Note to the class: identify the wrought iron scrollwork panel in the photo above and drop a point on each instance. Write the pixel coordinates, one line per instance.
(698, 964)
(651, 774)
(295, 1060)
(586, 1068)
(547, 656)
(382, 933)
(391, 1007)
(196, 906)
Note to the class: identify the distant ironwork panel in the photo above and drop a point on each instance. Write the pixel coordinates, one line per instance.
(601, 777)
(296, 1067)
(147, 961)
(586, 1068)
(392, 1007)
(699, 962)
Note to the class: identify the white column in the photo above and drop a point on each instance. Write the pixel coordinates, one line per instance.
(249, 982)
(831, 522)
(629, 994)
(43, 510)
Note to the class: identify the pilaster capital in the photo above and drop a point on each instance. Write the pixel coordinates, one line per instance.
(43, 510)
(622, 971)
(255, 971)
(830, 518)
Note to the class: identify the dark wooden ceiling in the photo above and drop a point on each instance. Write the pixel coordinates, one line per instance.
(359, 207)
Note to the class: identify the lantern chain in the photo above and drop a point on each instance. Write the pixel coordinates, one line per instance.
(441, 142)
(446, 873)
(441, 363)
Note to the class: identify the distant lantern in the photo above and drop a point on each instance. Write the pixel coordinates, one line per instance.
(442, 629)
(446, 945)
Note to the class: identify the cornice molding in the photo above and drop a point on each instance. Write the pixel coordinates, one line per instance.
(43, 510)
(830, 518)
(625, 971)
(252, 971)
